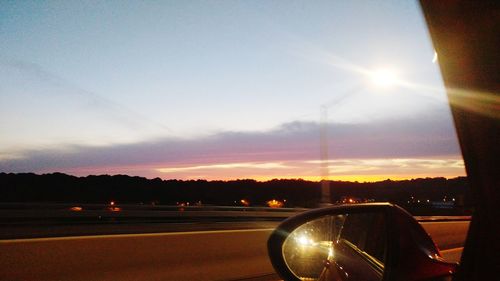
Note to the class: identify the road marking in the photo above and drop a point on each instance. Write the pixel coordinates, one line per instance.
(448, 251)
(107, 236)
(441, 222)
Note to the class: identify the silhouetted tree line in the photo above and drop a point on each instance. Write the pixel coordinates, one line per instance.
(62, 188)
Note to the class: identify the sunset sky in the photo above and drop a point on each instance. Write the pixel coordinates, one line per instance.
(222, 90)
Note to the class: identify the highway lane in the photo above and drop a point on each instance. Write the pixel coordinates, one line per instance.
(189, 255)
(22, 231)
(196, 255)
(32, 220)
(447, 234)
(452, 255)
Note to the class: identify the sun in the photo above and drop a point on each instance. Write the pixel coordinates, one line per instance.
(384, 77)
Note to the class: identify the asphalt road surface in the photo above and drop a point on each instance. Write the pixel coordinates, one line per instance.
(224, 254)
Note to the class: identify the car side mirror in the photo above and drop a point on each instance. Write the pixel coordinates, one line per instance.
(376, 241)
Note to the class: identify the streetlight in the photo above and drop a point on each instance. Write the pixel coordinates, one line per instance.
(382, 77)
(325, 184)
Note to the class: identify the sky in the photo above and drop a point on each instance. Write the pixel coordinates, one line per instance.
(222, 90)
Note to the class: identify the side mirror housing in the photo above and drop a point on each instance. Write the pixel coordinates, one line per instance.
(376, 241)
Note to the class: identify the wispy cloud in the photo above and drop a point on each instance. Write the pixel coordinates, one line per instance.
(394, 166)
(227, 166)
(29, 93)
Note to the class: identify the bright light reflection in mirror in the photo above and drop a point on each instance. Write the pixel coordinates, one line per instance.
(335, 247)
(310, 247)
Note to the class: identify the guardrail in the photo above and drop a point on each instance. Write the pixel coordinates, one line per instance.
(151, 207)
(75, 213)
(442, 218)
(23, 212)
(21, 220)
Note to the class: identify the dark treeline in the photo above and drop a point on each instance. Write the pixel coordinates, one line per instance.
(62, 188)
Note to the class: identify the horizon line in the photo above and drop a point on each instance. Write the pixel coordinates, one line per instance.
(307, 179)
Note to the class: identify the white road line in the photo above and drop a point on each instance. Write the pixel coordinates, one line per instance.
(447, 251)
(441, 222)
(108, 236)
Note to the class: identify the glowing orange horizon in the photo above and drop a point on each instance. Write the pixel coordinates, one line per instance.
(354, 178)
(361, 170)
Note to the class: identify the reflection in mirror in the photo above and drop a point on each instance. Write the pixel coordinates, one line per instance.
(338, 247)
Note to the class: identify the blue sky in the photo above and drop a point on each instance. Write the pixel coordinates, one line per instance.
(116, 75)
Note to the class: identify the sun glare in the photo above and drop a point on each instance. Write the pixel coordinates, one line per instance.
(384, 77)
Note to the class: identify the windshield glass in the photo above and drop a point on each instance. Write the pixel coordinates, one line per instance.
(110, 106)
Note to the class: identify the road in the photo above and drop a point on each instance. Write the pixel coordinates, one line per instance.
(229, 254)
(23, 231)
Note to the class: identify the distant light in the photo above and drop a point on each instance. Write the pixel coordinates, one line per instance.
(112, 203)
(304, 240)
(453, 199)
(76, 208)
(427, 200)
(275, 203)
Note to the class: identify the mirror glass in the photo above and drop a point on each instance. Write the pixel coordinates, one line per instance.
(338, 247)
